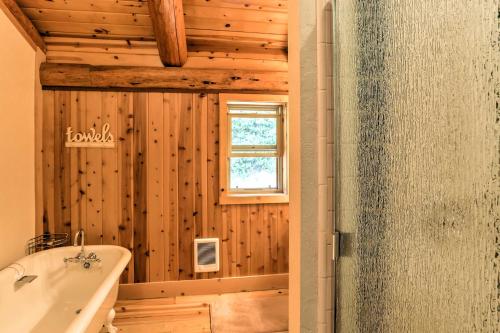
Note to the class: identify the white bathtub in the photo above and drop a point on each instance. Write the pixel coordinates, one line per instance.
(65, 297)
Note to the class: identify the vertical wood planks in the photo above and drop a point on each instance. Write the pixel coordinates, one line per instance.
(155, 166)
(77, 188)
(203, 161)
(200, 163)
(186, 187)
(62, 162)
(172, 106)
(141, 246)
(200, 167)
(93, 227)
(110, 178)
(227, 236)
(59, 109)
(214, 219)
(234, 231)
(273, 237)
(243, 240)
(48, 161)
(165, 185)
(270, 239)
(82, 156)
(157, 189)
(125, 145)
(257, 239)
(283, 238)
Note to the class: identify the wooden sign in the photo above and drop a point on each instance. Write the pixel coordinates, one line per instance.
(90, 139)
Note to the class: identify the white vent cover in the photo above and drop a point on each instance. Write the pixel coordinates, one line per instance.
(206, 255)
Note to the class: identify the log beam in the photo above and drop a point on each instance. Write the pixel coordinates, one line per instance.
(86, 76)
(23, 24)
(167, 17)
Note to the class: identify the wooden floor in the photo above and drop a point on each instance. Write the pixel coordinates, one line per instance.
(260, 311)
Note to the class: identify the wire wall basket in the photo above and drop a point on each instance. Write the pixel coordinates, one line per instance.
(46, 241)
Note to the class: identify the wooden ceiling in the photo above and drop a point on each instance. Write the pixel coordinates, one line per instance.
(229, 34)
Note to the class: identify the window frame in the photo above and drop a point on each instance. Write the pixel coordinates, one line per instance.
(252, 196)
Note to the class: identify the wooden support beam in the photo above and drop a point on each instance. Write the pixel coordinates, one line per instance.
(214, 80)
(167, 17)
(203, 287)
(23, 24)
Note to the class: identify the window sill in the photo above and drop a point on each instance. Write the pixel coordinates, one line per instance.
(254, 199)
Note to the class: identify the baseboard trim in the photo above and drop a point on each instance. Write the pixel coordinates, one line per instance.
(203, 287)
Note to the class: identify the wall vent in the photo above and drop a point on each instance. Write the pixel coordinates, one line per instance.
(206, 255)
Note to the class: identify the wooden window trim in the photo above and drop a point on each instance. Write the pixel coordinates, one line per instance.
(229, 198)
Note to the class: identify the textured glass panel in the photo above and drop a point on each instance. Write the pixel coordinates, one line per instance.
(254, 173)
(254, 131)
(417, 187)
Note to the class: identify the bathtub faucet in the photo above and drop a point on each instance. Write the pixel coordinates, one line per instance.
(80, 258)
(80, 233)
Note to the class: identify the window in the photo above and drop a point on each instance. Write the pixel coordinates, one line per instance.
(253, 140)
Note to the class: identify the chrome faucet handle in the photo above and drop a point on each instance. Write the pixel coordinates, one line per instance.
(92, 255)
(72, 260)
(80, 256)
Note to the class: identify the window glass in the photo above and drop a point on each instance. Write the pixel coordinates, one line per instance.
(253, 173)
(254, 131)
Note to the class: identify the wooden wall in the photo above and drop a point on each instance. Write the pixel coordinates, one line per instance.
(156, 190)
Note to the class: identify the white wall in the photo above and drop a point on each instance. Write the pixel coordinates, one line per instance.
(17, 154)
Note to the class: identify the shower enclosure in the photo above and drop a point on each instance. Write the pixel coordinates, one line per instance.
(417, 119)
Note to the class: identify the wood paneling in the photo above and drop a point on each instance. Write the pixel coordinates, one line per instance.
(157, 189)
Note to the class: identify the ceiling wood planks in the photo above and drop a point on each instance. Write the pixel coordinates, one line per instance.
(168, 24)
(225, 34)
(23, 23)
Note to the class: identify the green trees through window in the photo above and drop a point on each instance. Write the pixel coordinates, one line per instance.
(254, 131)
(254, 172)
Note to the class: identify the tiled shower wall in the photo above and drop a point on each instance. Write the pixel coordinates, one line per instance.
(325, 163)
(316, 165)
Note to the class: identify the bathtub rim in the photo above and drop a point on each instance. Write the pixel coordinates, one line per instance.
(88, 310)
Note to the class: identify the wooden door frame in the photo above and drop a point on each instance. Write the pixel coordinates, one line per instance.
(295, 154)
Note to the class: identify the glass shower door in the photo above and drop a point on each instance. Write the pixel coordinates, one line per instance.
(417, 97)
